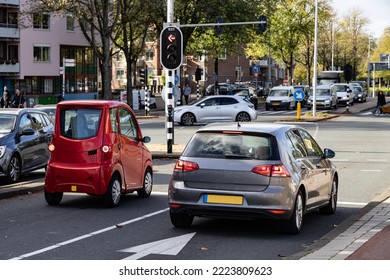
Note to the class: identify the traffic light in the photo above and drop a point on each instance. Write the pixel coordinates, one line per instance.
(198, 74)
(262, 26)
(219, 28)
(171, 46)
(142, 75)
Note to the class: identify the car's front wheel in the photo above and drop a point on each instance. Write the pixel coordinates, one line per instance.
(294, 225)
(147, 186)
(113, 194)
(188, 119)
(183, 219)
(243, 117)
(14, 169)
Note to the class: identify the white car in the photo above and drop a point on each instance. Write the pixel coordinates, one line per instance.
(344, 93)
(324, 98)
(281, 97)
(216, 108)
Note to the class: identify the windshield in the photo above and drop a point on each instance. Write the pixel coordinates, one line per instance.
(340, 88)
(7, 123)
(322, 92)
(278, 92)
(79, 123)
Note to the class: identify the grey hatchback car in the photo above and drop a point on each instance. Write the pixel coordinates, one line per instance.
(252, 170)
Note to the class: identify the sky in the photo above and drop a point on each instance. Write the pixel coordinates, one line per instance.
(376, 11)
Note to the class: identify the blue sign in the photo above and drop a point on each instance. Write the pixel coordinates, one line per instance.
(299, 95)
(256, 69)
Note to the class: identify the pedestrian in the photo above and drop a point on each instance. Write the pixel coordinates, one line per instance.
(18, 101)
(381, 98)
(187, 93)
(5, 100)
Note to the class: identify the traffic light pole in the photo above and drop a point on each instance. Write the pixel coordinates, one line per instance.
(169, 109)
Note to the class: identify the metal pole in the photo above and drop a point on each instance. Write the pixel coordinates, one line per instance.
(63, 78)
(368, 66)
(147, 98)
(315, 59)
(373, 79)
(197, 90)
(169, 104)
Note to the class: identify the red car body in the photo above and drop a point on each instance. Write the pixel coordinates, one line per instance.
(97, 148)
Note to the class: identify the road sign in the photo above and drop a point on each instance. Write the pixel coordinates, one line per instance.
(299, 95)
(70, 62)
(256, 68)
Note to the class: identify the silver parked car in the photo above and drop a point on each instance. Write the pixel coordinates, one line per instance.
(215, 109)
(252, 170)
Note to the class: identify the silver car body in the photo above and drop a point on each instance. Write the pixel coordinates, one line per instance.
(216, 108)
(324, 98)
(218, 180)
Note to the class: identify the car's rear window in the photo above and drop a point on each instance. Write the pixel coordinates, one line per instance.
(80, 123)
(232, 145)
(7, 123)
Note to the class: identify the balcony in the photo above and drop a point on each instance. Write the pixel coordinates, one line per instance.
(9, 68)
(9, 31)
(9, 2)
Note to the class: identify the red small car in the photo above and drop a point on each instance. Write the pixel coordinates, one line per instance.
(98, 149)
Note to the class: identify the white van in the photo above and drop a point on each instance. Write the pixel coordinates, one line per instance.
(281, 97)
(344, 93)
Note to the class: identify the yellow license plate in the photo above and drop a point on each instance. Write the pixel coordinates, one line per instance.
(223, 199)
(276, 104)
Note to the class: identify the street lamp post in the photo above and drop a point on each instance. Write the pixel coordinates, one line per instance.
(315, 58)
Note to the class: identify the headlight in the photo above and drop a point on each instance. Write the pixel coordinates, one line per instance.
(360, 95)
(309, 101)
(327, 101)
(345, 97)
(2, 151)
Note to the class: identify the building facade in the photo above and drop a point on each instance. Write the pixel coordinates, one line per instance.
(33, 49)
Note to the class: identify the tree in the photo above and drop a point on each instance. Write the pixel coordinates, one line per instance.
(97, 20)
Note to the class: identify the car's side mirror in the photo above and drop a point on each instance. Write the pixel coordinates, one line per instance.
(146, 139)
(202, 105)
(328, 153)
(28, 131)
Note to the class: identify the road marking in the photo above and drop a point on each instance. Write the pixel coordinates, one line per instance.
(377, 160)
(92, 234)
(371, 170)
(351, 203)
(340, 159)
(169, 246)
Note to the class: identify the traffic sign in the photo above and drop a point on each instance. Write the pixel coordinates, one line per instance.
(299, 95)
(256, 69)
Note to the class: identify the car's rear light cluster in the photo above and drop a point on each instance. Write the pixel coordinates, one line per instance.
(106, 153)
(184, 166)
(271, 170)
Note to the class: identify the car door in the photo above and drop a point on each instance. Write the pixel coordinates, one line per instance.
(323, 172)
(208, 110)
(229, 108)
(130, 149)
(30, 146)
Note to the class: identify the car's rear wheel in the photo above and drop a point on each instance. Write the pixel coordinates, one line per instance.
(14, 169)
(53, 198)
(147, 186)
(294, 225)
(243, 117)
(113, 194)
(183, 219)
(331, 207)
(188, 119)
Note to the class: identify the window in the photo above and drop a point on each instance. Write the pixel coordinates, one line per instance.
(311, 145)
(41, 21)
(149, 55)
(296, 144)
(80, 123)
(120, 73)
(69, 23)
(48, 85)
(41, 53)
(127, 125)
(114, 123)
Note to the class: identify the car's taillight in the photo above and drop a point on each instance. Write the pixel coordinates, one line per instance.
(52, 148)
(271, 170)
(183, 166)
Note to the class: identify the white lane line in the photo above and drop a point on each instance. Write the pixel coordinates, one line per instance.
(371, 170)
(55, 246)
(377, 160)
(340, 159)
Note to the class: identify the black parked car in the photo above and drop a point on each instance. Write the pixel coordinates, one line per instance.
(24, 138)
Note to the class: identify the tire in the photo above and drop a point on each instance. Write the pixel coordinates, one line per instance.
(113, 194)
(181, 220)
(147, 185)
(330, 209)
(188, 119)
(377, 112)
(243, 117)
(294, 225)
(14, 169)
(53, 198)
